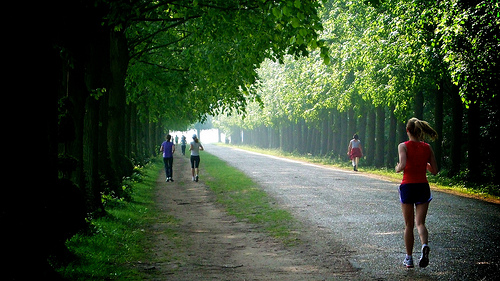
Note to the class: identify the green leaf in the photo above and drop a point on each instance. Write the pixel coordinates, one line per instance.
(326, 60)
(277, 12)
(300, 39)
(297, 4)
(286, 11)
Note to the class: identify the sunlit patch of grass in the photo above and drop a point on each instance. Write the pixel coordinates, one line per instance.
(244, 199)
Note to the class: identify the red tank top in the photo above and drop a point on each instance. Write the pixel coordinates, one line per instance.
(418, 154)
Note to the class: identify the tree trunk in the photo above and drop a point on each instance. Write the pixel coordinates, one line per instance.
(300, 136)
(402, 136)
(151, 138)
(351, 125)
(419, 105)
(127, 142)
(96, 73)
(370, 138)
(438, 119)
(362, 127)
(380, 140)
(474, 141)
(324, 136)
(329, 145)
(91, 155)
(117, 103)
(77, 94)
(105, 166)
(456, 142)
(134, 133)
(281, 134)
(344, 137)
(307, 139)
(391, 144)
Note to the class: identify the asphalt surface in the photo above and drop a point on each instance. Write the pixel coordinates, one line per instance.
(364, 214)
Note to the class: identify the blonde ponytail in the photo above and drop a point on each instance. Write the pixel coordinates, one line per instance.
(421, 129)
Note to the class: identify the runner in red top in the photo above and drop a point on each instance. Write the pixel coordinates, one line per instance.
(415, 159)
(418, 154)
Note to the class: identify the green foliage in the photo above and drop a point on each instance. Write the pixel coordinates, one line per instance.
(470, 45)
(393, 55)
(199, 57)
(383, 56)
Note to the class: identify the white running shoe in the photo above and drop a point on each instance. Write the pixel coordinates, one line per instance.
(424, 260)
(408, 262)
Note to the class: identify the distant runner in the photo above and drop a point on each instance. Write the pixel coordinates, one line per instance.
(354, 151)
(168, 149)
(195, 148)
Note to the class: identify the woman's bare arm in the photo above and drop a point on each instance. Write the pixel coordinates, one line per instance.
(402, 158)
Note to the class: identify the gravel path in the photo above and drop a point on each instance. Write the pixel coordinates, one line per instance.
(364, 214)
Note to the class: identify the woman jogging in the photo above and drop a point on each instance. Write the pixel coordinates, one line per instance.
(183, 145)
(195, 147)
(168, 149)
(354, 151)
(415, 158)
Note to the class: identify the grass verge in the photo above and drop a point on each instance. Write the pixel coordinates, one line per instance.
(244, 199)
(107, 249)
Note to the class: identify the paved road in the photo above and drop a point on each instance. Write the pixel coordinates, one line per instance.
(364, 214)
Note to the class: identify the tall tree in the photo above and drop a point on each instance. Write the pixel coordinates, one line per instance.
(433, 60)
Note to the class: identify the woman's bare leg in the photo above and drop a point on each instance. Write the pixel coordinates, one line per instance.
(408, 215)
(420, 216)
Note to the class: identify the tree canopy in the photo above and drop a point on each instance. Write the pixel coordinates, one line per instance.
(114, 76)
(437, 61)
(200, 55)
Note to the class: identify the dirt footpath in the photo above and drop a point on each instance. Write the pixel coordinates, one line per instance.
(194, 239)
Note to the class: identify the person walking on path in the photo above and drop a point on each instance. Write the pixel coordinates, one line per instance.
(354, 151)
(195, 147)
(168, 149)
(183, 145)
(415, 159)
